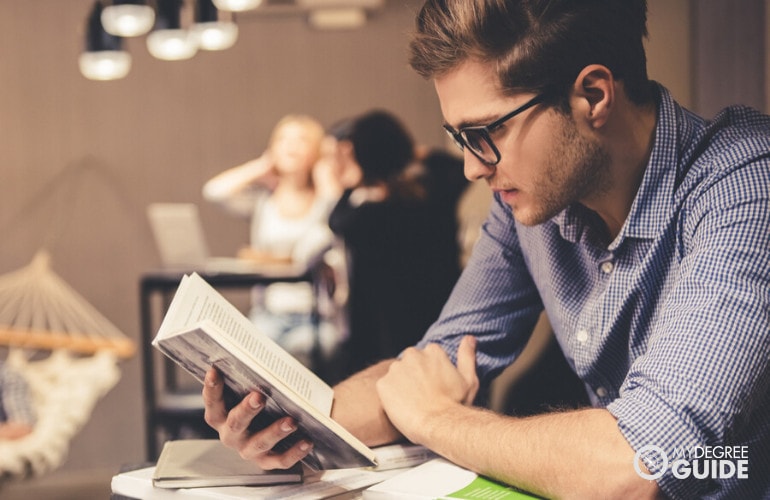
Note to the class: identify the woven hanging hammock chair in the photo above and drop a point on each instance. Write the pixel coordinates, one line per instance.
(67, 352)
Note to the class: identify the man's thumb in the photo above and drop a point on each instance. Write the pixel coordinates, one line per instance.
(466, 365)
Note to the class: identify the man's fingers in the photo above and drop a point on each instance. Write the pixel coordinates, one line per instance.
(262, 442)
(466, 357)
(234, 430)
(215, 413)
(466, 365)
(259, 447)
(233, 427)
(286, 459)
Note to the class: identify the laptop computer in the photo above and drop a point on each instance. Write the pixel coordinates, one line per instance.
(181, 242)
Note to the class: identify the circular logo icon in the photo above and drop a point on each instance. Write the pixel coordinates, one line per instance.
(655, 460)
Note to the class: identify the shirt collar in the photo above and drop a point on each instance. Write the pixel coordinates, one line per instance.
(654, 199)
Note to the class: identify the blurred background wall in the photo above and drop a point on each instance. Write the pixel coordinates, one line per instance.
(80, 160)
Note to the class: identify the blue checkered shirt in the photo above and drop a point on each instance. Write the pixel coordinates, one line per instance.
(669, 325)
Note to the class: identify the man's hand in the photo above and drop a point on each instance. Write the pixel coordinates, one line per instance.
(233, 427)
(424, 383)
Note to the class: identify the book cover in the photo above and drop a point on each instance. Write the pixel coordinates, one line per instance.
(195, 463)
(441, 479)
(202, 329)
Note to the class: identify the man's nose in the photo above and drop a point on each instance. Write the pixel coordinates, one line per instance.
(474, 168)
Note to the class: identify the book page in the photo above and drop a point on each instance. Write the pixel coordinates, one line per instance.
(196, 302)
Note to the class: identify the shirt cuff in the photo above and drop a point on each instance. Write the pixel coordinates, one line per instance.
(658, 432)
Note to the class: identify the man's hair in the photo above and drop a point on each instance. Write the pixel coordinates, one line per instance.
(536, 45)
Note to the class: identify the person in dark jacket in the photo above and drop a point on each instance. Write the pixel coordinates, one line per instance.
(400, 234)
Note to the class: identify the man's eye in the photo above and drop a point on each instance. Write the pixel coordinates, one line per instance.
(496, 128)
(474, 140)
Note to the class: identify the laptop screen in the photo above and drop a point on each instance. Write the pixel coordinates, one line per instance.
(178, 235)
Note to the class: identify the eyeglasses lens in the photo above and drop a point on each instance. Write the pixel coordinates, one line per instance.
(476, 141)
(480, 145)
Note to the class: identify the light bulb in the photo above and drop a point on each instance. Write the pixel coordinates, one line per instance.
(237, 5)
(172, 44)
(105, 64)
(128, 19)
(216, 35)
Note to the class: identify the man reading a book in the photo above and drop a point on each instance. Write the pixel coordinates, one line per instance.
(641, 229)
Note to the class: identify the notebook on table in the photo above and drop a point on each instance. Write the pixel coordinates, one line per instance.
(195, 463)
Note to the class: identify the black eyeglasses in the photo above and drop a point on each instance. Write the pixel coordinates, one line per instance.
(477, 139)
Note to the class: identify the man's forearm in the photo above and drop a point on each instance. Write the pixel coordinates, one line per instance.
(357, 407)
(579, 454)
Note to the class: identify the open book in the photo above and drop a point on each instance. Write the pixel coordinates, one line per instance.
(202, 329)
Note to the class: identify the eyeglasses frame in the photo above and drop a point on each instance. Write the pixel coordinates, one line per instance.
(484, 130)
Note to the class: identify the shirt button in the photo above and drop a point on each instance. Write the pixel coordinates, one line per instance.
(582, 336)
(601, 392)
(607, 267)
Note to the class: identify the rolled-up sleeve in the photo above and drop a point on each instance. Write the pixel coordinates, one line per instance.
(705, 376)
(495, 299)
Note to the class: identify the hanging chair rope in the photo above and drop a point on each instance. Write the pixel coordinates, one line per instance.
(40, 312)
(65, 390)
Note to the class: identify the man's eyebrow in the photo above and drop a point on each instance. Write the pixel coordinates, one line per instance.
(476, 122)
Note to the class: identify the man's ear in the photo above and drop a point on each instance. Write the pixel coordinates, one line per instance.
(594, 95)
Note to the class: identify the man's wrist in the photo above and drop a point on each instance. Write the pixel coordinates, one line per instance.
(427, 426)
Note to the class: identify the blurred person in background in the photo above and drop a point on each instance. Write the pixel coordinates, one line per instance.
(403, 259)
(289, 201)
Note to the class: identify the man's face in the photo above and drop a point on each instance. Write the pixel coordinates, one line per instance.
(546, 163)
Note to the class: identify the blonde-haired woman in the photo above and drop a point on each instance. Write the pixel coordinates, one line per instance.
(289, 201)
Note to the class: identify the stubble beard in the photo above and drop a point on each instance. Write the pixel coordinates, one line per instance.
(577, 168)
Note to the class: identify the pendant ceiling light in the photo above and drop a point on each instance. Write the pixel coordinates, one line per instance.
(104, 57)
(237, 5)
(168, 41)
(337, 18)
(128, 17)
(211, 32)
